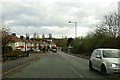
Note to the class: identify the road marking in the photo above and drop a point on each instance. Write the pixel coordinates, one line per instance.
(17, 67)
(77, 72)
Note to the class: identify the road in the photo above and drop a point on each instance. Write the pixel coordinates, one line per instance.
(56, 65)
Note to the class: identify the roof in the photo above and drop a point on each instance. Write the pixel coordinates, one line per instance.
(30, 41)
(35, 42)
(25, 40)
(13, 38)
(39, 42)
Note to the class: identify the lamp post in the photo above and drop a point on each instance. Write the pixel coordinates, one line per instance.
(75, 28)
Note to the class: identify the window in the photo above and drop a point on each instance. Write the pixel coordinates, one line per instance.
(111, 53)
(98, 52)
(94, 53)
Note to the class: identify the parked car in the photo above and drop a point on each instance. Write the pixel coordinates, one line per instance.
(54, 49)
(105, 60)
(36, 50)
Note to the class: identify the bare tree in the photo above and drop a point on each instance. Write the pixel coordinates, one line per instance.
(5, 33)
(110, 26)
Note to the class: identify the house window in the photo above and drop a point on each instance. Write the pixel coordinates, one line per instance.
(16, 44)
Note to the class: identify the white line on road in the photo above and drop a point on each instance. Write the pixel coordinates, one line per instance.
(77, 72)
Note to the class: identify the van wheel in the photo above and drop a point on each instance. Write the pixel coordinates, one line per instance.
(103, 70)
(90, 66)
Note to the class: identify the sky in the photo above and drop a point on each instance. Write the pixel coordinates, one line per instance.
(53, 16)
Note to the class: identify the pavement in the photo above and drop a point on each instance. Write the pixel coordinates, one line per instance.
(19, 61)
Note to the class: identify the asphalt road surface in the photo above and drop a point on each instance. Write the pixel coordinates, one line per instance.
(56, 65)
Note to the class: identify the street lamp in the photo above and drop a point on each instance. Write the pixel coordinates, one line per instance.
(75, 28)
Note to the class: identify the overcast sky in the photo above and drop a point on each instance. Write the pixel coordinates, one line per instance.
(52, 16)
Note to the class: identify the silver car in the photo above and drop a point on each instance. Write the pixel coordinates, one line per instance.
(105, 60)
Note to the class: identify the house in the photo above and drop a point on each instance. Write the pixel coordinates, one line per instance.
(14, 42)
(37, 45)
(40, 47)
(30, 44)
(22, 43)
(25, 44)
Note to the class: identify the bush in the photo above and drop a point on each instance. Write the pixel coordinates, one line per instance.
(16, 52)
(6, 49)
(86, 45)
(64, 49)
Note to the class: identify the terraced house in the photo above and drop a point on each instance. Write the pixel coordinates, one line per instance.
(14, 42)
(22, 43)
(25, 43)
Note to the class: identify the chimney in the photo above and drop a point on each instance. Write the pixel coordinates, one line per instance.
(27, 38)
(32, 39)
(13, 34)
(21, 37)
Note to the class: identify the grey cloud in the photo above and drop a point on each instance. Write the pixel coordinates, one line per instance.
(37, 16)
(58, 13)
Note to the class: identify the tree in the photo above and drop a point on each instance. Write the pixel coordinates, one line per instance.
(61, 43)
(110, 25)
(5, 33)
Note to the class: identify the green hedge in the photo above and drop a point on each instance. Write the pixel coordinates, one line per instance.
(6, 49)
(86, 45)
(64, 49)
(15, 53)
